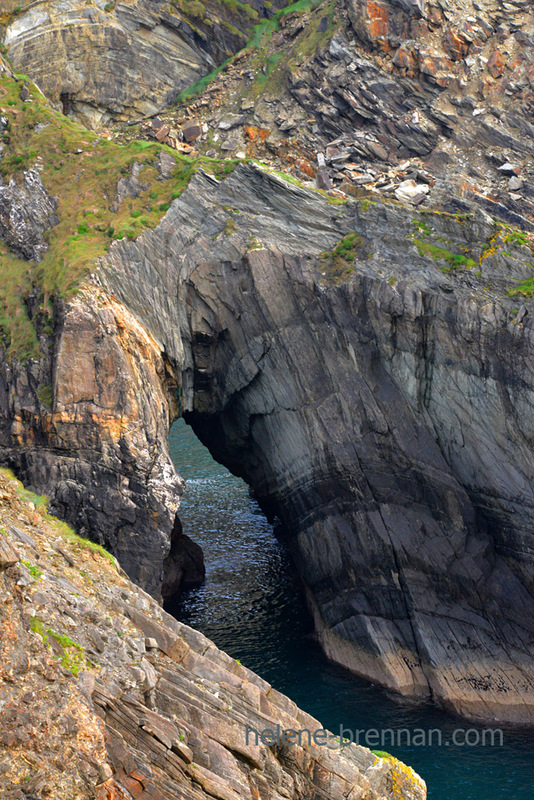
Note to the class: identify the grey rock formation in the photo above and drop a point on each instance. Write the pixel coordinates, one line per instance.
(361, 365)
(385, 413)
(26, 213)
(380, 403)
(119, 60)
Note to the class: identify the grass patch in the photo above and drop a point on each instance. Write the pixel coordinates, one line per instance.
(258, 40)
(39, 500)
(338, 264)
(45, 396)
(428, 249)
(381, 754)
(70, 653)
(199, 86)
(525, 289)
(78, 542)
(64, 530)
(455, 260)
(33, 569)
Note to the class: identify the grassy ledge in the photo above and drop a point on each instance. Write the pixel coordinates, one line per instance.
(81, 169)
(65, 531)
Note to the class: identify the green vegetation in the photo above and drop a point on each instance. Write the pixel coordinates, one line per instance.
(230, 227)
(381, 754)
(338, 264)
(200, 85)
(64, 530)
(82, 170)
(70, 653)
(39, 501)
(525, 289)
(45, 396)
(426, 248)
(503, 235)
(270, 67)
(366, 204)
(78, 542)
(455, 260)
(33, 569)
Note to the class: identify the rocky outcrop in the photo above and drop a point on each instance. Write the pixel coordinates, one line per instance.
(100, 402)
(361, 364)
(376, 93)
(376, 394)
(103, 695)
(26, 213)
(121, 60)
(356, 396)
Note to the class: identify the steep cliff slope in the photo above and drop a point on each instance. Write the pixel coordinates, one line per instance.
(365, 365)
(117, 60)
(103, 695)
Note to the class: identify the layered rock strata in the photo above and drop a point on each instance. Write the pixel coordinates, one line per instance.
(358, 93)
(103, 695)
(121, 60)
(358, 397)
(362, 365)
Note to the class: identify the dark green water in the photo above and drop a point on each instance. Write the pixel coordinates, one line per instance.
(251, 606)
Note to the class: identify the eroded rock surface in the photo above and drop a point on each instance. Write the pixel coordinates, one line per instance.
(101, 401)
(361, 364)
(103, 695)
(26, 213)
(375, 92)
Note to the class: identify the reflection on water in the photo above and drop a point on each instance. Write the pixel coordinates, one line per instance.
(251, 607)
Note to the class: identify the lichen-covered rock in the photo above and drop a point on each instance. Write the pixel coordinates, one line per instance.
(103, 695)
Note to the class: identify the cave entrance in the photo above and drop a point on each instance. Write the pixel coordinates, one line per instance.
(67, 102)
(251, 603)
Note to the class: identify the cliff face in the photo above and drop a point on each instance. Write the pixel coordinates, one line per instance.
(103, 695)
(106, 408)
(121, 60)
(366, 366)
(357, 395)
(358, 93)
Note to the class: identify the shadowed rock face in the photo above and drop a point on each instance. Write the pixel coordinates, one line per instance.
(385, 413)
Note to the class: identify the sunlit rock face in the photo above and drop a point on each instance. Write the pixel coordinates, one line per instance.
(113, 698)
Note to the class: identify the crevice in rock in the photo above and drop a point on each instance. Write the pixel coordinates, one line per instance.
(184, 567)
